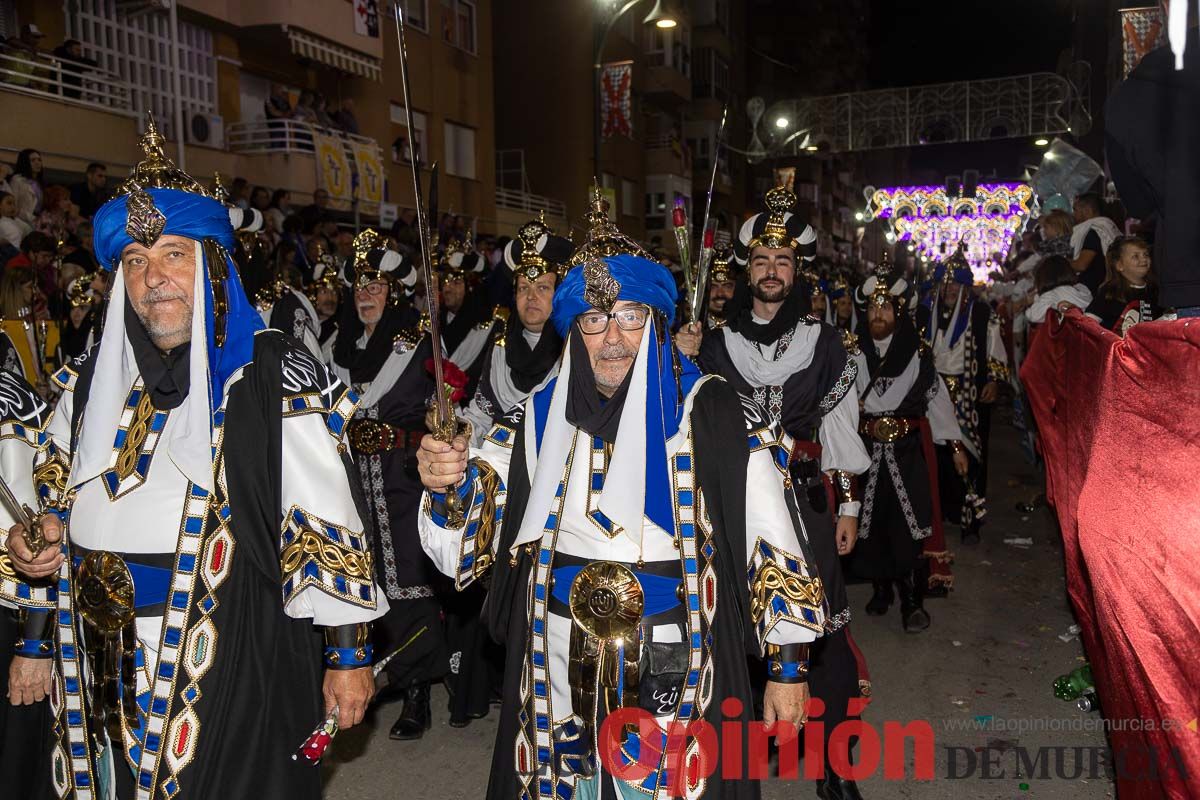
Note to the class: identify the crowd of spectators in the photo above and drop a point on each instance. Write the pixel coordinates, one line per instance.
(24, 62)
(46, 247)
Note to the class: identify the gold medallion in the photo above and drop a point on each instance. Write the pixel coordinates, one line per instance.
(606, 600)
(104, 589)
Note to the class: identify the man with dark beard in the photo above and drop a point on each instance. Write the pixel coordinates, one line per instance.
(797, 368)
(381, 353)
(969, 353)
(722, 281)
(905, 409)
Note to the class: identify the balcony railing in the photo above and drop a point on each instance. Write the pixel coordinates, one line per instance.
(288, 136)
(44, 75)
(533, 203)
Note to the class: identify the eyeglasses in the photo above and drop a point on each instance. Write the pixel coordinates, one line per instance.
(374, 287)
(632, 318)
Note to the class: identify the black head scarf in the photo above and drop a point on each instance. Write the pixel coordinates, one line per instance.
(474, 311)
(73, 341)
(900, 351)
(165, 374)
(529, 365)
(363, 365)
(586, 407)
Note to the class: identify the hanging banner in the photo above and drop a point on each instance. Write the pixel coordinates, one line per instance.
(1142, 30)
(333, 170)
(366, 18)
(616, 107)
(370, 172)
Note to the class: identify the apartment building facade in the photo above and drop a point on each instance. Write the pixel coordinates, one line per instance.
(660, 101)
(206, 68)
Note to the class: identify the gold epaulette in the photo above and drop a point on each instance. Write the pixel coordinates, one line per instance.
(850, 342)
(500, 318)
(408, 339)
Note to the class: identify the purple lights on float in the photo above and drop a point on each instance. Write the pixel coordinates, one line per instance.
(934, 223)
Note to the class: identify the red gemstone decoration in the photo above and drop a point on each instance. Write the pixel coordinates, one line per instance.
(181, 742)
(710, 590)
(218, 555)
(693, 770)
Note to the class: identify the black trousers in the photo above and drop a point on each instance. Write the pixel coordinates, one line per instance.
(833, 678)
(26, 739)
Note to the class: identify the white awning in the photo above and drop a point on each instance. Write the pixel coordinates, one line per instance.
(314, 48)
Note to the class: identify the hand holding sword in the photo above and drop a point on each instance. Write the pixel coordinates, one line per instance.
(445, 425)
(30, 539)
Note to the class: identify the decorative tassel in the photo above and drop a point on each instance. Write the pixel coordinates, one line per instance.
(218, 272)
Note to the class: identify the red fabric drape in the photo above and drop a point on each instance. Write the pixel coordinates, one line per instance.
(1119, 421)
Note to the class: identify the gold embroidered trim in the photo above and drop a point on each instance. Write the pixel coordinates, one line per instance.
(773, 580)
(139, 429)
(489, 485)
(328, 554)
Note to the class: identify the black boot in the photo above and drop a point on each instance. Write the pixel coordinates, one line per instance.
(415, 717)
(881, 600)
(835, 787)
(912, 613)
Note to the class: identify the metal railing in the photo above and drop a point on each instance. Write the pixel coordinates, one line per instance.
(44, 75)
(533, 203)
(288, 136)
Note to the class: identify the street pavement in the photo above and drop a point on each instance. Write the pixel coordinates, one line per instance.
(980, 677)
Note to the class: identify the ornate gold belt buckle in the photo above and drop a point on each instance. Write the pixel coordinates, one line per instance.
(104, 590)
(369, 437)
(607, 601)
(888, 429)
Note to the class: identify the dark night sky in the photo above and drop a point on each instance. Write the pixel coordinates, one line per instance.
(934, 42)
(931, 42)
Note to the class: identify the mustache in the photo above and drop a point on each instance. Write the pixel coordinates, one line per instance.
(161, 296)
(614, 352)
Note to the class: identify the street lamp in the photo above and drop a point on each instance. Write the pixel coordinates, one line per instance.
(661, 17)
(1041, 142)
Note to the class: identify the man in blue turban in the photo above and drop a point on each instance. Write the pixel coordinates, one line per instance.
(640, 536)
(199, 521)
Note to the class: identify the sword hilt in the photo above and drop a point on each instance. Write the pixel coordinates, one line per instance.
(446, 425)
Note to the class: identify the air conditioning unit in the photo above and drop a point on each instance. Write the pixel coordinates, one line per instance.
(207, 130)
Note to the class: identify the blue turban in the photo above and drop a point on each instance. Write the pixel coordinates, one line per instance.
(197, 217)
(642, 281)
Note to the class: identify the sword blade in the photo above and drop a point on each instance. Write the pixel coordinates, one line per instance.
(705, 256)
(14, 506)
(442, 403)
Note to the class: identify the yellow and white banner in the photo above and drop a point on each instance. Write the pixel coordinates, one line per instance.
(370, 172)
(333, 170)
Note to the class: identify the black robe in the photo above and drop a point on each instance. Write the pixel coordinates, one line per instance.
(974, 417)
(412, 628)
(886, 547)
(290, 316)
(722, 454)
(799, 404)
(261, 697)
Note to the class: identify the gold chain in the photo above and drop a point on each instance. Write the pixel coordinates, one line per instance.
(139, 428)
